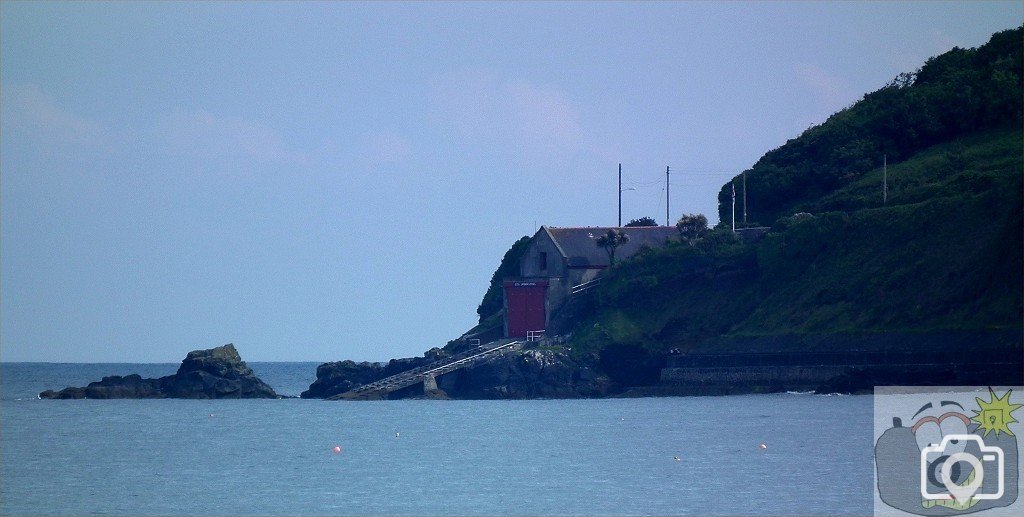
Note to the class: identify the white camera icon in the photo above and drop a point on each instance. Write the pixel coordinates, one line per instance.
(990, 455)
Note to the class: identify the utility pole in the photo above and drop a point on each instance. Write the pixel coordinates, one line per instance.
(733, 207)
(666, 197)
(744, 197)
(620, 195)
(885, 180)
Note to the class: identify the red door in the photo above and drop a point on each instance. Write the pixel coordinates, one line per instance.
(525, 307)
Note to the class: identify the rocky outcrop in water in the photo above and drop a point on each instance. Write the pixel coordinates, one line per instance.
(340, 376)
(217, 373)
(527, 374)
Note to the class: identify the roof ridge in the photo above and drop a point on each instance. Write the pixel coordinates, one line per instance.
(558, 246)
(603, 227)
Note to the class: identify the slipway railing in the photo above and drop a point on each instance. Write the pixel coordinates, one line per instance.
(585, 286)
(440, 367)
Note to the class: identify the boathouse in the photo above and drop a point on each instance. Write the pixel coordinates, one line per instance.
(560, 261)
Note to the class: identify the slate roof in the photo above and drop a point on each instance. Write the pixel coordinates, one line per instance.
(579, 245)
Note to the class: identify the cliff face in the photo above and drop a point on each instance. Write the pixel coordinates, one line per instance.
(217, 373)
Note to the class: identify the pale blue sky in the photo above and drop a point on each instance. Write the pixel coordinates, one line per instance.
(322, 181)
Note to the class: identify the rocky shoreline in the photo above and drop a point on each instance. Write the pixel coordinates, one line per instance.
(826, 363)
(837, 363)
(525, 374)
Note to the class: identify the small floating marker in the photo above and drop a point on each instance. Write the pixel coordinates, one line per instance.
(677, 458)
(762, 446)
(397, 435)
(336, 450)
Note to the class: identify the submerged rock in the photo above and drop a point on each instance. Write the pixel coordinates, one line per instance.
(217, 373)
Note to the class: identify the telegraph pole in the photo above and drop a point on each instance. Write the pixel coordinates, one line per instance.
(744, 197)
(885, 180)
(620, 195)
(666, 197)
(733, 206)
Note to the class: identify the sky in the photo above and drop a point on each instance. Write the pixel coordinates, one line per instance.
(335, 180)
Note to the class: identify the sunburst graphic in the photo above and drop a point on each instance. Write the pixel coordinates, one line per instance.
(995, 414)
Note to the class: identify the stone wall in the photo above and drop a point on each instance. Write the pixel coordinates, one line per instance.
(530, 265)
(850, 363)
(799, 378)
(834, 378)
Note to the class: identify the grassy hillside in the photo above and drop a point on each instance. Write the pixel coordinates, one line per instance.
(944, 253)
(954, 95)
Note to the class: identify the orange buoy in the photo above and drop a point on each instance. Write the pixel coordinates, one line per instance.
(336, 449)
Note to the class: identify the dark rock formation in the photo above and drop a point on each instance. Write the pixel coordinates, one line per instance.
(341, 376)
(218, 373)
(536, 373)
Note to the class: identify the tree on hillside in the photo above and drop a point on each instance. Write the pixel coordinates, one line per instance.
(692, 227)
(643, 221)
(611, 241)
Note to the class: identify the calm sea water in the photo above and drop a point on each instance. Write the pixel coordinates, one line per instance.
(542, 457)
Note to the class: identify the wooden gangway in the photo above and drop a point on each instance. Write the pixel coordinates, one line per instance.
(467, 359)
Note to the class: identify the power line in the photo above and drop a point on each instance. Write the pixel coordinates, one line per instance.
(709, 172)
(675, 183)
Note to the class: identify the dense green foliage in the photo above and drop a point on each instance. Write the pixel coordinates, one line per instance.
(946, 252)
(509, 267)
(953, 95)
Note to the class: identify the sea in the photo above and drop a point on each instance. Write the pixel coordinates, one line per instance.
(627, 456)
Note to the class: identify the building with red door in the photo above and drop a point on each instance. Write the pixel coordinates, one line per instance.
(559, 260)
